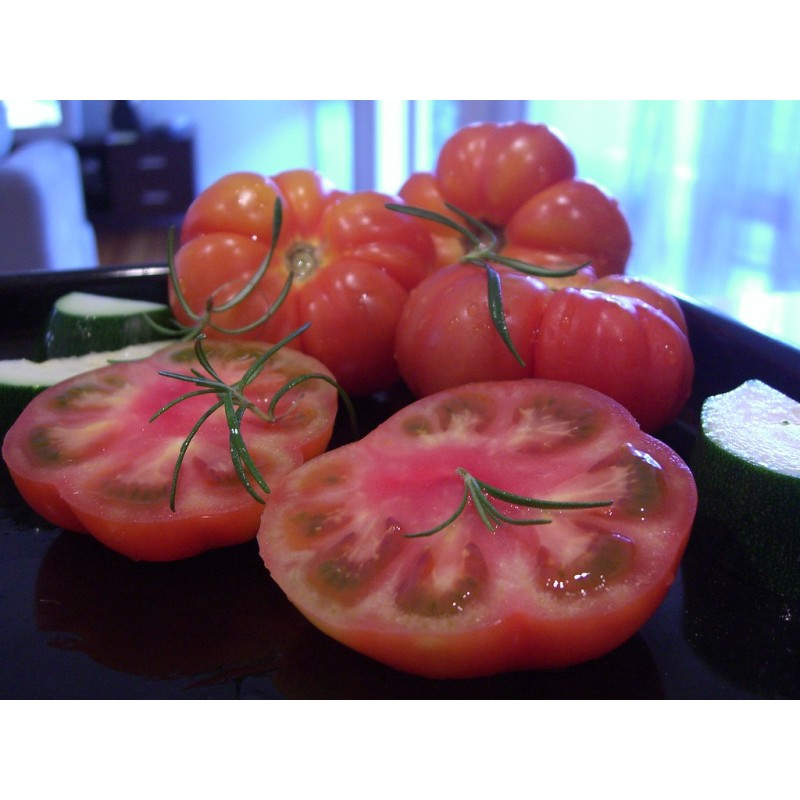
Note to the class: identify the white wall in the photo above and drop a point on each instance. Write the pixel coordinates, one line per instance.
(265, 136)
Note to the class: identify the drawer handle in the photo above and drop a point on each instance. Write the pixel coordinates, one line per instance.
(153, 161)
(154, 197)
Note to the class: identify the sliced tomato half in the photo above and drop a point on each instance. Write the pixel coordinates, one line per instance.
(85, 455)
(482, 596)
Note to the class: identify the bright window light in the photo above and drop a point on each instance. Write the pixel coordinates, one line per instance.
(33, 113)
(392, 145)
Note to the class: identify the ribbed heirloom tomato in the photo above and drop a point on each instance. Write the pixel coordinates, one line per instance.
(429, 545)
(620, 335)
(352, 262)
(85, 455)
(520, 179)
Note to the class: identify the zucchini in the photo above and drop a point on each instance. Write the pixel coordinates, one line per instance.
(746, 464)
(83, 323)
(22, 379)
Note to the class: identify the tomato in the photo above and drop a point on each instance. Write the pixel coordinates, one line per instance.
(574, 216)
(619, 345)
(445, 336)
(477, 597)
(620, 335)
(630, 286)
(422, 191)
(489, 170)
(519, 179)
(352, 262)
(85, 455)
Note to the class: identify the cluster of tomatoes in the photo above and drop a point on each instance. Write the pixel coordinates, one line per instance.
(390, 296)
(496, 523)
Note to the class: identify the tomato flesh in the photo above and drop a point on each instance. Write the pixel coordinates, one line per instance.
(85, 456)
(467, 600)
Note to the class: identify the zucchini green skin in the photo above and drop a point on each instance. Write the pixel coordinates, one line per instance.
(12, 400)
(74, 333)
(759, 511)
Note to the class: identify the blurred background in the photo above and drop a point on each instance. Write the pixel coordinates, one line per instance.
(711, 189)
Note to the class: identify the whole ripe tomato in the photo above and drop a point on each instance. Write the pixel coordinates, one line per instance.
(503, 584)
(446, 336)
(85, 455)
(619, 335)
(519, 179)
(352, 263)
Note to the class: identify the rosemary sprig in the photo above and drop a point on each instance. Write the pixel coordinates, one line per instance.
(484, 241)
(480, 493)
(483, 253)
(231, 398)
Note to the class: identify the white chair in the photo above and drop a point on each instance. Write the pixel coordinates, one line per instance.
(43, 222)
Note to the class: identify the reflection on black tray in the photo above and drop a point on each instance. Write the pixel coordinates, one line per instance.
(219, 619)
(749, 634)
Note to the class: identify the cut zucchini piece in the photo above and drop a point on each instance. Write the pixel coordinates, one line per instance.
(89, 323)
(21, 379)
(747, 469)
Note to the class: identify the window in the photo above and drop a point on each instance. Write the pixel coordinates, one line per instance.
(710, 188)
(33, 119)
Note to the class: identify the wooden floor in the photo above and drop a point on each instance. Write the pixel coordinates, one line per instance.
(132, 247)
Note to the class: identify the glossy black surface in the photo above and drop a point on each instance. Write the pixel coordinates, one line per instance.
(78, 621)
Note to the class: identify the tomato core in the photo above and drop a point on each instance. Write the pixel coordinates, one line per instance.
(302, 260)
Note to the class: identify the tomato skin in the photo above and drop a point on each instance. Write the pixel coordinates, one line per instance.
(242, 202)
(468, 601)
(422, 191)
(631, 286)
(306, 195)
(621, 346)
(445, 336)
(519, 179)
(619, 335)
(358, 352)
(85, 455)
(574, 216)
(217, 266)
(359, 225)
(351, 316)
(489, 170)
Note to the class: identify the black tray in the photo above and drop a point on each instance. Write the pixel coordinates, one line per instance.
(78, 621)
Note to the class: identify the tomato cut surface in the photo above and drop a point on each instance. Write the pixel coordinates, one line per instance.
(85, 455)
(482, 594)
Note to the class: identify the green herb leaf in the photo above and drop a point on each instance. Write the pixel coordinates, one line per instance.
(232, 399)
(479, 492)
(497, 311)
